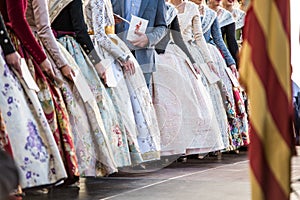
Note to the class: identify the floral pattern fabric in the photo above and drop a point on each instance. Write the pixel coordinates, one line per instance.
(33, 146)
(92, 144)
(112, 123)
(131, 90)
(55, 112)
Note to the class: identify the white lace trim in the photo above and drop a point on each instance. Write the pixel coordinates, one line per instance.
(225, 17)
(208, 19)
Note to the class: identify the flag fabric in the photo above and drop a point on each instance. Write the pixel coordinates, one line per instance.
(265, 70)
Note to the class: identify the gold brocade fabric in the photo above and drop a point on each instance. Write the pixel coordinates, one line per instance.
(108, 30)
(111, 30)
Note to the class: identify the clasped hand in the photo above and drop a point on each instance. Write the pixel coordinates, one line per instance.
(128, 66)
(14, 60)
(67, 71)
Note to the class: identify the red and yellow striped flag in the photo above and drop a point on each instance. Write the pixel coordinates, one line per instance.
(266, 73)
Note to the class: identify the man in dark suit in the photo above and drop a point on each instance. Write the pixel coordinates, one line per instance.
(143, 47)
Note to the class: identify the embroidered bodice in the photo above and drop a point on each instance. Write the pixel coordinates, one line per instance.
(191, 29)
(38, 19)
(99, 16)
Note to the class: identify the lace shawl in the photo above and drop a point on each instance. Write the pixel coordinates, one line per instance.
(208, 19)
(239, 17)
(225, 17)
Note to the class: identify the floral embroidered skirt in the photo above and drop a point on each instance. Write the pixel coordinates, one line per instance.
(92, 144)
(113, 124)
(32, 142)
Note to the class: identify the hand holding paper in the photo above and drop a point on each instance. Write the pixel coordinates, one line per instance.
(212, 67)
(110, 79)
(210, 76)
(232, 77)
(30, 82)
(14, 60)
(101, 70)
(141, 41)
(67, 71)
(136, 32)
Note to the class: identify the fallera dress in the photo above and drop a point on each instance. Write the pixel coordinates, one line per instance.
(238, 119)
(28, 137)
(131, 95)
(191, 30)
(124, 149)
(183, 105)
(90, 140)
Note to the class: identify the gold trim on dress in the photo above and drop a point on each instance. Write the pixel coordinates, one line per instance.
(110, 30)
(91, 32)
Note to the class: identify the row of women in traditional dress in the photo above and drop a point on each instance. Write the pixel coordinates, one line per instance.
(91, 113)
(215, 114)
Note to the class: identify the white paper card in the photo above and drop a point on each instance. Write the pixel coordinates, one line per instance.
(31, 84)
(233, 79)
(136, 24)
(189, 63)
(111, 80)
(82, 86)
(210, 75)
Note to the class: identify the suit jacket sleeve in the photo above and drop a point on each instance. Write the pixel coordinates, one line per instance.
(17, 18)
(160, 25)
(5, 41)
(80, 28)
(42, 22)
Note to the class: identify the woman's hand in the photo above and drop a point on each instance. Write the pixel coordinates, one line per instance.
(234, 70)
(14, 60)
(67, 71)
(47, 68)
(101, 71)
(212, 68)
(128, 66)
